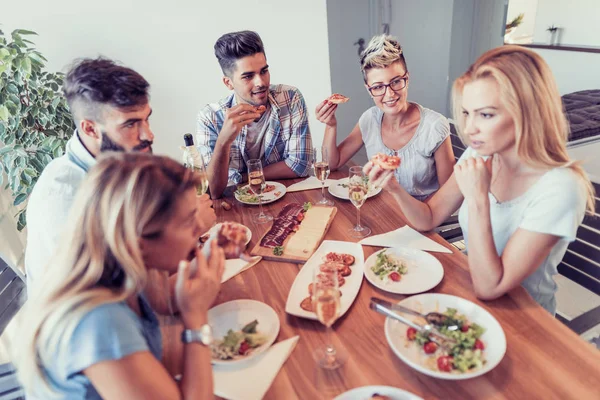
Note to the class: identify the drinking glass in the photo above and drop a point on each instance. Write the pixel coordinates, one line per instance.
(256, 180)
(358, 188)
(326, 304)
(320, 164)
(198, 166)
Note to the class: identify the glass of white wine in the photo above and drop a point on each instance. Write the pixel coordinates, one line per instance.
(256, 180)
(326, 303)
(320, 164)
(358, 188)
(195, 161)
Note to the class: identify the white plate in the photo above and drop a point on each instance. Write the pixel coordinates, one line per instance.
(365, 393)
(215, 229)
(424, 271)
(335, 189)
(234, 315)
(299, 290)
(268, 197)
(493, 338)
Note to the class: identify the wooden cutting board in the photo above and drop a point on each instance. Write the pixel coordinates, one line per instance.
(299, 255)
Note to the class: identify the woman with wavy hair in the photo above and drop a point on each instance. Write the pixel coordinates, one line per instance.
(393, 126)
(88, 332)
(521, 198)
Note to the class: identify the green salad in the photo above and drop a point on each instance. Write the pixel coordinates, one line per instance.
(388, 268)
(465, 355)
(238, 344)
(246, 195)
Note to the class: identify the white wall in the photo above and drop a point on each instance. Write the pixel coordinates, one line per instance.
(171, 45)
(579, 21)
(573, 71)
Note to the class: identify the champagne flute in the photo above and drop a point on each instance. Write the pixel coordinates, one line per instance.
(256, 180)
(357, 192)
(320, 164)
(326, 303)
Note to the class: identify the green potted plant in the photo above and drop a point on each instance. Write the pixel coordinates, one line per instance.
(511, 26)
(553, 31)
(35, 122)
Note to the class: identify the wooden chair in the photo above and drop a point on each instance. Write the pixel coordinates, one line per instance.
(581, 264)
(12, 297)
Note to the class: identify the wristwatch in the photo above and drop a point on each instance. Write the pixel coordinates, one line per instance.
(204, 335)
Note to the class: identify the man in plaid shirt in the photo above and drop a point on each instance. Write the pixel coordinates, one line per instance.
(257, 121)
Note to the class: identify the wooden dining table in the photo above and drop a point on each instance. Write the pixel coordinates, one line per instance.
(543, 360)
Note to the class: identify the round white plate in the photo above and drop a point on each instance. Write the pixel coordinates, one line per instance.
(336, 189)
(365, 393)
(424, 271)
(493, 338)
(234, 315)
(268, 197)
(215, 229)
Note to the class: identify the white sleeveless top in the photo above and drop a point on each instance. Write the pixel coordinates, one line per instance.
(417, 173)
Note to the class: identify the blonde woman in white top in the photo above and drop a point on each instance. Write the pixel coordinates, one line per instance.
(394, 126)
(521, 198)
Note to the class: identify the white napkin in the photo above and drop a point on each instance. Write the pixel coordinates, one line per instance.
(237, 265)
(251, 381)
(308, 184)
(404, 237)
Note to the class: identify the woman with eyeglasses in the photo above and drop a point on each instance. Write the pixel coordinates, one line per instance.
(394, 126)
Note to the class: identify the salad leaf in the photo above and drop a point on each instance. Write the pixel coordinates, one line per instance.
(307, 205)
(250, 327)
(278, 250)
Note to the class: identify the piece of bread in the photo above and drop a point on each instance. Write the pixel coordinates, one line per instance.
(337, 98)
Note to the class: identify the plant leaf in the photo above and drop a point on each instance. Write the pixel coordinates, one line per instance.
(19, 199)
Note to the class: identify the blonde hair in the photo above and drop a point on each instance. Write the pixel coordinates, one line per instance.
(99, 260)
(528, 91)
(382, 51)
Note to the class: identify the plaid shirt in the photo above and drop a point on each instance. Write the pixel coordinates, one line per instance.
(287, 137)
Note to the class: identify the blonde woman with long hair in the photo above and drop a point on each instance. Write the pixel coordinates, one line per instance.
(521, 198)
(88, 332)
(393, 126)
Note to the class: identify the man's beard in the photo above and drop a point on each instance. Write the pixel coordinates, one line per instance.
(108, 145)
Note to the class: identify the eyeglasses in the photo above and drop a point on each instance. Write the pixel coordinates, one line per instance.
(395, 85)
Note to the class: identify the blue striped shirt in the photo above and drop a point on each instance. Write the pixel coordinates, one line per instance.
(287, 137)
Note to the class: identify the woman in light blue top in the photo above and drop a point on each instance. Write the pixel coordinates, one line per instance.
(521, 198)
(88, 332)
(394, 126)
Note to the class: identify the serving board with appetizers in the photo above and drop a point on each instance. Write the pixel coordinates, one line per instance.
(296, 233)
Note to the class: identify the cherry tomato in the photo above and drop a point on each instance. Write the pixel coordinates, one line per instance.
(411, 333)
(479, 345)
(244, 347)
(444, 363)
(395, 276)
(465, 328)
(430, 347)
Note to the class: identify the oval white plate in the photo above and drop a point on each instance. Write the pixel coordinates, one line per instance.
(215, 229)
(268, 197)
(493, 338)
(234, 315)
(299, 290)
(335, 189)
(365, 393)
(424, 271)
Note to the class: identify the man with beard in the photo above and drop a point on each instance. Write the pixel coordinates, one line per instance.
(257, 121)
(110, 107)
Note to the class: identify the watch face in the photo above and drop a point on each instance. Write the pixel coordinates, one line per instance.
(206, 335)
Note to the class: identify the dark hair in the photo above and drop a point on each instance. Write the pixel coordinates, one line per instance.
(91, 83)
(235, 45)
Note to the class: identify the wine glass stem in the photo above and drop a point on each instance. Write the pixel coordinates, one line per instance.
(260, 206)
(323, 190)
(358, 217)
(329, 341)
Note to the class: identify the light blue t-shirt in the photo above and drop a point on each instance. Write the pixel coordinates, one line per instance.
(554, 205)
(418, 172)
(108, 332)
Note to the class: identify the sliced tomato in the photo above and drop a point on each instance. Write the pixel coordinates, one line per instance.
(464, 328)
(479, 345)
(244, 347)
(430, 347)
(395, 276)
(444, 363)
(411, 333)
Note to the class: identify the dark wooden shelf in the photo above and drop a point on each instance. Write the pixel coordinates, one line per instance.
(563, 47)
